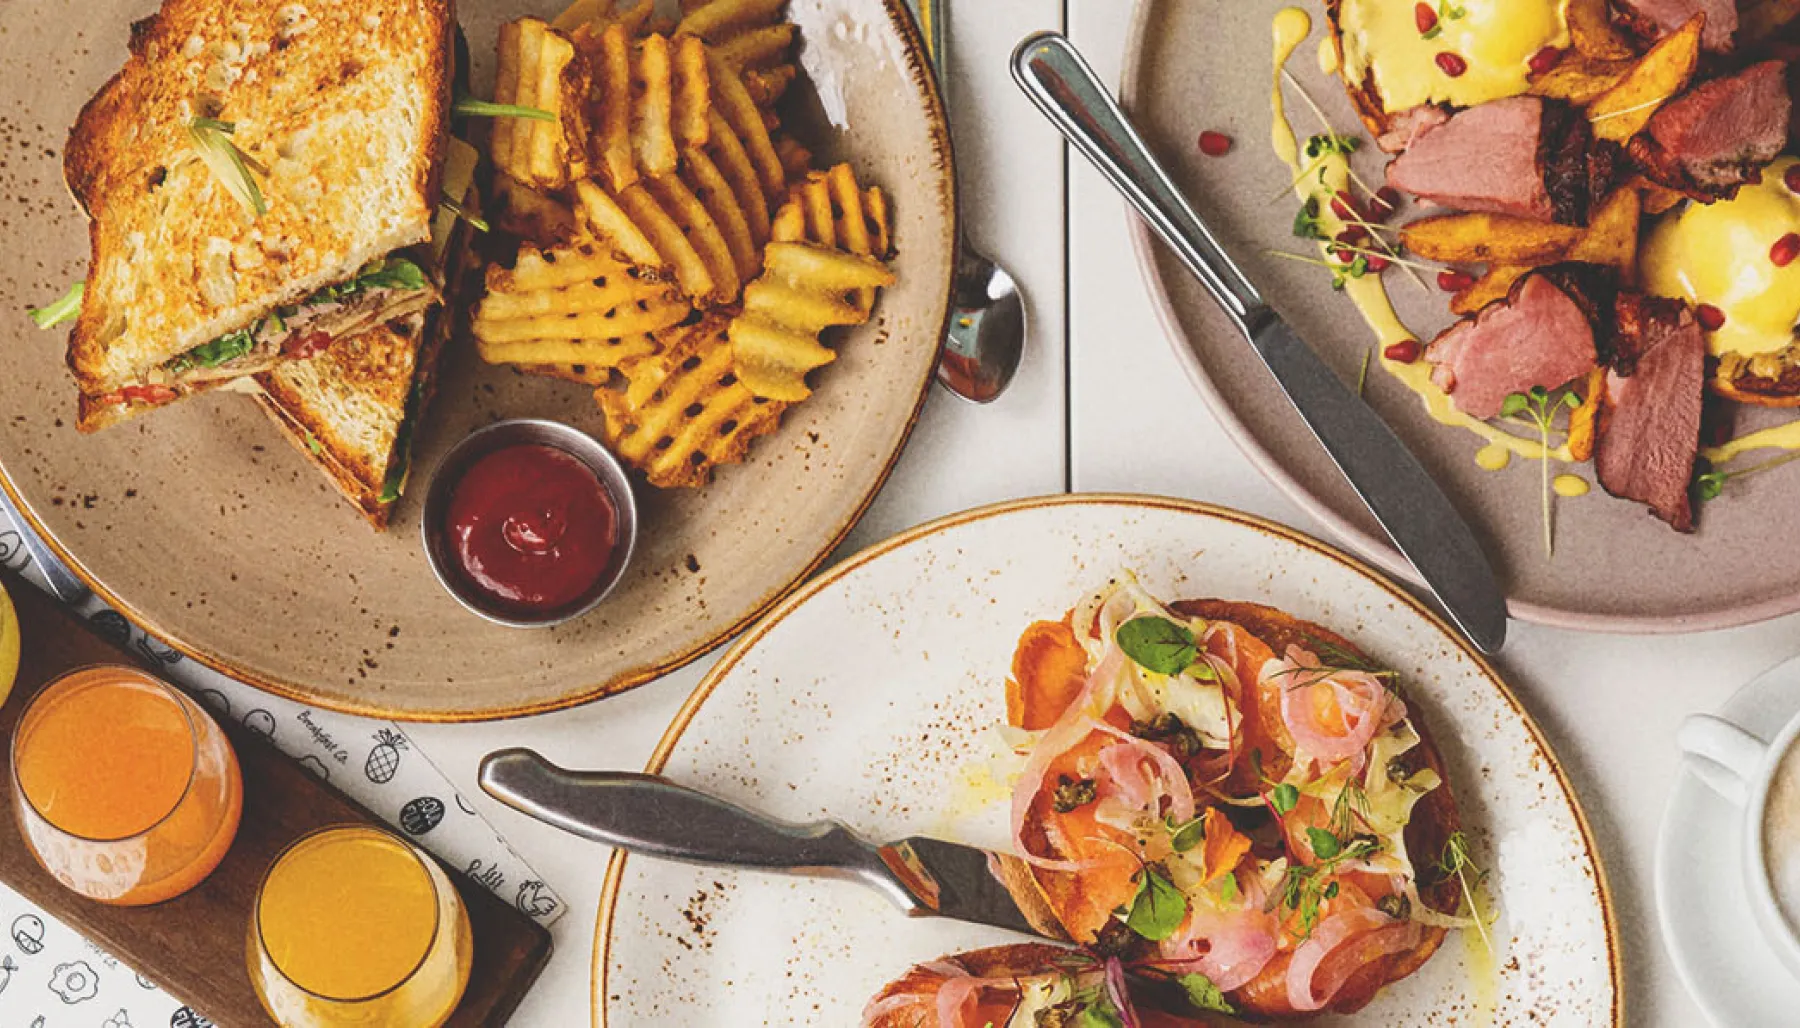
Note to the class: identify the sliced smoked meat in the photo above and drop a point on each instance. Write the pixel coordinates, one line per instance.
(1649, 432)
(1720, 134)
(1522, 156)
(1654, 19)
(1404, 129)
(1542, 334)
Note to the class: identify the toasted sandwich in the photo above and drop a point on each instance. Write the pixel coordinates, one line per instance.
(356, 408)
(257, 177)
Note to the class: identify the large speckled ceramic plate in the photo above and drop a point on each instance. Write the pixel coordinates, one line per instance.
(203, 525)
(1206, 64)
(871, 696)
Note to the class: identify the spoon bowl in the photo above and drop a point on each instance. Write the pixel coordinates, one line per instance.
(986, 339)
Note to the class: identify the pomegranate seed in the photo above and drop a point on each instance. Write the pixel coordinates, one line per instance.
(1378, 264)
(1792, 178)
(1425, 17)
(1455, 281)
(1345, 256)
(1352, 236)
(1344, 206)
(1387, 200)
(1214, 144)
(1711, 318)
(1404, 352)
(1545, 59)
(1785, 250)
(1452, 64)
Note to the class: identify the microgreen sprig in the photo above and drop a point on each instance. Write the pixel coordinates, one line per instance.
(1708, 485)
(1542, 407)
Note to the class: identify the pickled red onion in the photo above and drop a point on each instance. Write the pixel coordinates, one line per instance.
(1124, 774)
(1341, 945)
(1333, 714)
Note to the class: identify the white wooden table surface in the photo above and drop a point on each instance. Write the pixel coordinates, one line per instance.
(1099, 382)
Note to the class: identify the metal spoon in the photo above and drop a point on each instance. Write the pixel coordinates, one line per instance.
(986, 338)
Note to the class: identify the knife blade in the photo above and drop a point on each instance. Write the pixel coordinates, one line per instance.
(653, 816)
(1418, 518)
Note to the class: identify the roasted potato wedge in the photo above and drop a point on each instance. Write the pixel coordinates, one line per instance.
(1585, 420)
(1660, 75)
(1591, 27)
(1657, 199)
(1580, 79)
(1612, 234)
(1495, 285)
(1489, 239)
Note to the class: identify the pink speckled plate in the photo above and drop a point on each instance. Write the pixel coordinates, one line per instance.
(204, 526)
(1206, 64)
(871, 696)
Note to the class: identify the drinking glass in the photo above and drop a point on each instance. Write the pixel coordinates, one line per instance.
(126, 790)
(354, 926)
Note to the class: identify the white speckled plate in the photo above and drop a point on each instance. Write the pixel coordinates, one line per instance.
(205, 527)
(870, 696)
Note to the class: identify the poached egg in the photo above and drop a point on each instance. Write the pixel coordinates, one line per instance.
(1475, 50)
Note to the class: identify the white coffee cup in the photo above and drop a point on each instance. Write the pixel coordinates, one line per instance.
(1743, 769)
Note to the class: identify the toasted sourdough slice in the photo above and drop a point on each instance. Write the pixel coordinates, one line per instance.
(343, 104)
(1015, 986)
(1070, 899)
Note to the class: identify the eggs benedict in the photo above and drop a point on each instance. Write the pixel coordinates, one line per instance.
(1400, 55)
(1738, 262)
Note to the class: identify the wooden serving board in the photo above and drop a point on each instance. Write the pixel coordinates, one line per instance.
(193, 946)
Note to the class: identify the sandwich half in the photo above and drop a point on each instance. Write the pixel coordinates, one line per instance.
(355, 409)
(255, 176)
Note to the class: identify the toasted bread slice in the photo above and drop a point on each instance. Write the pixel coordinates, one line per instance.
(339, 109)
(1082, 901)
(354, 408)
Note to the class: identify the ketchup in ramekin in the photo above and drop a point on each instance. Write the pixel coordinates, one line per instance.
(531, 528)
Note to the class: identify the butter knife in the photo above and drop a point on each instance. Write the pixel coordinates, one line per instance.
(61, 581)
(653, 816)
(1420, 520)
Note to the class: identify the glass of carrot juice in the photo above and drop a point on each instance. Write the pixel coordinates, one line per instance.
(355, 926)
(127, 791)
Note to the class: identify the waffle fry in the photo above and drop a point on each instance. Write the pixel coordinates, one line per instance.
(758, 48)
(609, 58)
(652, 106)
(671, 243)
(599, 14)
(709, 185)
(693, 93)
(739, 110)
(612, 225)
(580, 374)
(720, 21)
(702, 234)
(768, 85)
(534, 62)
(806, 289)
(733, 162)
(530, 214)
(576, 305)
(683, 412)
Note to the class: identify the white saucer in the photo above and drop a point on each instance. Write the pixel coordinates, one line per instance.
(1707, 925)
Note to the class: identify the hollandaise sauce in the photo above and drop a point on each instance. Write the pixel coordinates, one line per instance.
(1466, 53)
(1325, 177)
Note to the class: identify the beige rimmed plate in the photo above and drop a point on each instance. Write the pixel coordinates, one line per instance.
(203, 525)
(1206, 64)
(871, 694)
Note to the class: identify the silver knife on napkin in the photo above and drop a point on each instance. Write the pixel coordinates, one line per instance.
(653, 816)
(1422, 522)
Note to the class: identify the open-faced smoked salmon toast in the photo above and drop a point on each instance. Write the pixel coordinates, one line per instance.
(1219, 793)
(1027, 985)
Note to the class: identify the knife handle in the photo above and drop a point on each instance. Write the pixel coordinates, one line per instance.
(1062, 84)
(653, 816)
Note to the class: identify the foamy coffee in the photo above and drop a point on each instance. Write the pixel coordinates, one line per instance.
(1781, 836)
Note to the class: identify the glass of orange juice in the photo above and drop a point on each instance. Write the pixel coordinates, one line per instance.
(127, 791)
(355, 926)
